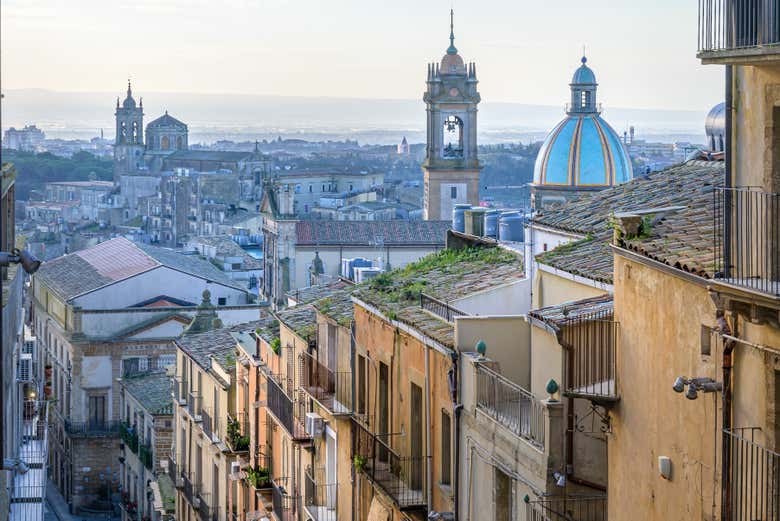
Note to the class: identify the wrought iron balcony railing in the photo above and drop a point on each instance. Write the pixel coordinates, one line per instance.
(402, 478)
(320, 497)
(207, 423)
(180, 390)
(441, 309)
(92, 428)
(726, 25)
(332, 389)
(591, 364)
(194, 402)
(567, 508)
(258, 475)
(27, 492)
(129, 436)
(189, 489)
(746, 231)
(146, 455)
(511, 406)
(286, 503)
(289, 413)
(238, 432)
(754, 491)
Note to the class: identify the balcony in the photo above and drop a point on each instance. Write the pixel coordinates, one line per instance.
(320, 497)
(259, 476)
(441, 309)
(172, 469)
(286, 503)
(146, 456)
(738, 31)
(238, 432)
(511, 406)
(288, 413)
(180, 390)
(206, 511)
(129, 436)
(194, 402)
(89, 429)
(331, 389)
(590, 341)
(750, 258)
(27, 492)
(401, 478)
(567, 508)
(189, 489)
(754, 477)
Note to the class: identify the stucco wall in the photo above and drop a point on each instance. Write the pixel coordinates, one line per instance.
(552, 289)
(509, 299)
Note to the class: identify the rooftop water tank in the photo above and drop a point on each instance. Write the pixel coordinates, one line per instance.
(458, 222)
(491, 223)
(475, 221)
(510, 227)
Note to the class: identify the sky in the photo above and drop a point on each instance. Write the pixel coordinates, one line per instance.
(643, 53)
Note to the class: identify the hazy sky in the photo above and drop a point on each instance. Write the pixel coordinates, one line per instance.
(643, 53)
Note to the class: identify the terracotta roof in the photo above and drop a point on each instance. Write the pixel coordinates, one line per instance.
(151, 390)
(392, 233)
(217, 343)
(683, 238)
(302, 320)
(338, 305)
(317, 292)
(447, 275)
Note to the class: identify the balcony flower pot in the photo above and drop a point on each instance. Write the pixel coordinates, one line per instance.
(359, 462)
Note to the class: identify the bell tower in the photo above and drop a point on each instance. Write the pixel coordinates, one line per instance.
(451, 168)
(129, 142)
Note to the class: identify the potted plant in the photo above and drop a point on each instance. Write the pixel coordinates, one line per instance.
(359, 462)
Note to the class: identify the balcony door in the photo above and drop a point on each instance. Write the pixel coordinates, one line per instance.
(416, 439)
(383, 420)
(330, 468)
(97, 411)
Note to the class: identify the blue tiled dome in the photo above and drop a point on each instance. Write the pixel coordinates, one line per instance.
(582, 150)
(584, 74)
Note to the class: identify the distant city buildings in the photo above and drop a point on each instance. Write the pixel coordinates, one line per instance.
(27, 139)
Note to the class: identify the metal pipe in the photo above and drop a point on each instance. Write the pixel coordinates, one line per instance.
(428, 464)
(728, 365)
(728, 166)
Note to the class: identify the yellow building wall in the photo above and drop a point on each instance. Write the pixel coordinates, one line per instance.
(660, 317)
(551, 289)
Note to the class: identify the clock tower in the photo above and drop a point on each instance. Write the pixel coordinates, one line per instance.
(451, 167)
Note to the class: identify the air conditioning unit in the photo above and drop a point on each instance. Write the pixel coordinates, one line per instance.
(24, 370)
(315, 425)
(29, 347)
(235, 467)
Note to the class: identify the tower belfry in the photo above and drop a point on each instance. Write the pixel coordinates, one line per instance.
(129, 142)
(451, 167)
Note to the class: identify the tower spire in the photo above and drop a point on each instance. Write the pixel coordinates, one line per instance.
(129, 90)
(452, 49)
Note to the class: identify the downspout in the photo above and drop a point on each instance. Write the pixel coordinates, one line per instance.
(353, 471)
(728, 366)
(728, 164)
(428, 465)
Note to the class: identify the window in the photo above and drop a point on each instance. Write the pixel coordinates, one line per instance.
(97, 411)
(416, 438)
(583, 99)
(361, 397)
(502, 496)
(311, 188)
(452, 137)
(222, 301)
(454, 192)
(165, 143)
(446, 449)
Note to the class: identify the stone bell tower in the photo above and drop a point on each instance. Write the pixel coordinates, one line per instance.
(129, 142)
(451, 167)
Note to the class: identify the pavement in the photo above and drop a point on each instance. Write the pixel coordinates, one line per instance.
(56, 508)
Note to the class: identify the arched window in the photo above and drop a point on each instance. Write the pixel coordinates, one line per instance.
(452, 141)
(179, 143)
(135, 132)
(165, 143)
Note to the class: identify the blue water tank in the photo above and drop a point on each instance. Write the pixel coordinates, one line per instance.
(510, 227)
(491, 223)
(458, 217)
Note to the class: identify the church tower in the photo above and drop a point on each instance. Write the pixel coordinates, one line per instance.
(129, 142)
(451, 167)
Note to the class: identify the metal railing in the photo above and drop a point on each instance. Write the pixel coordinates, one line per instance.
(238, 432)
(567, 508)
(439, 308)
(754, 477)
(180, 390)
(129, 436)
(206, 512)
(172, 469)
(332, 389)
(27, 492)
(258, 476)
(189, 489)
(146, 455)
(510, 405)
(207, 422)
(285, 504)
(591, 364)
(92, 428)
(746, 231)
(284, 409)
(401, 478)
(320, 497)
(194, 402)
(737, 24)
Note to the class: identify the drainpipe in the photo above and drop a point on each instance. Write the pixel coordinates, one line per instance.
(428, 465)
(728, 365)
(728, 182)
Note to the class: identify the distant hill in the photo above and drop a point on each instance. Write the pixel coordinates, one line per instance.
(237, 116)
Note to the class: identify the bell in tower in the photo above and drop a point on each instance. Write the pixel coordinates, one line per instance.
(451, 167)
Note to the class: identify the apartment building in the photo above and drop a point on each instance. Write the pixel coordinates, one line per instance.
(146, 434)
(101, 312)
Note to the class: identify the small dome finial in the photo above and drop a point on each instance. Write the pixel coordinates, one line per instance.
(452, 49)
(584, 60)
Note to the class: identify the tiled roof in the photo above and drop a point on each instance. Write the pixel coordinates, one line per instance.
(317, 292)
(166, 120)
(338, 305)
(151, 390)
(302, 320)
(118, 259)
(391, 233)
(679, 239)
(447, 275)
(208, 155)
(227, 247)
(558, 315)
(217, 343)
